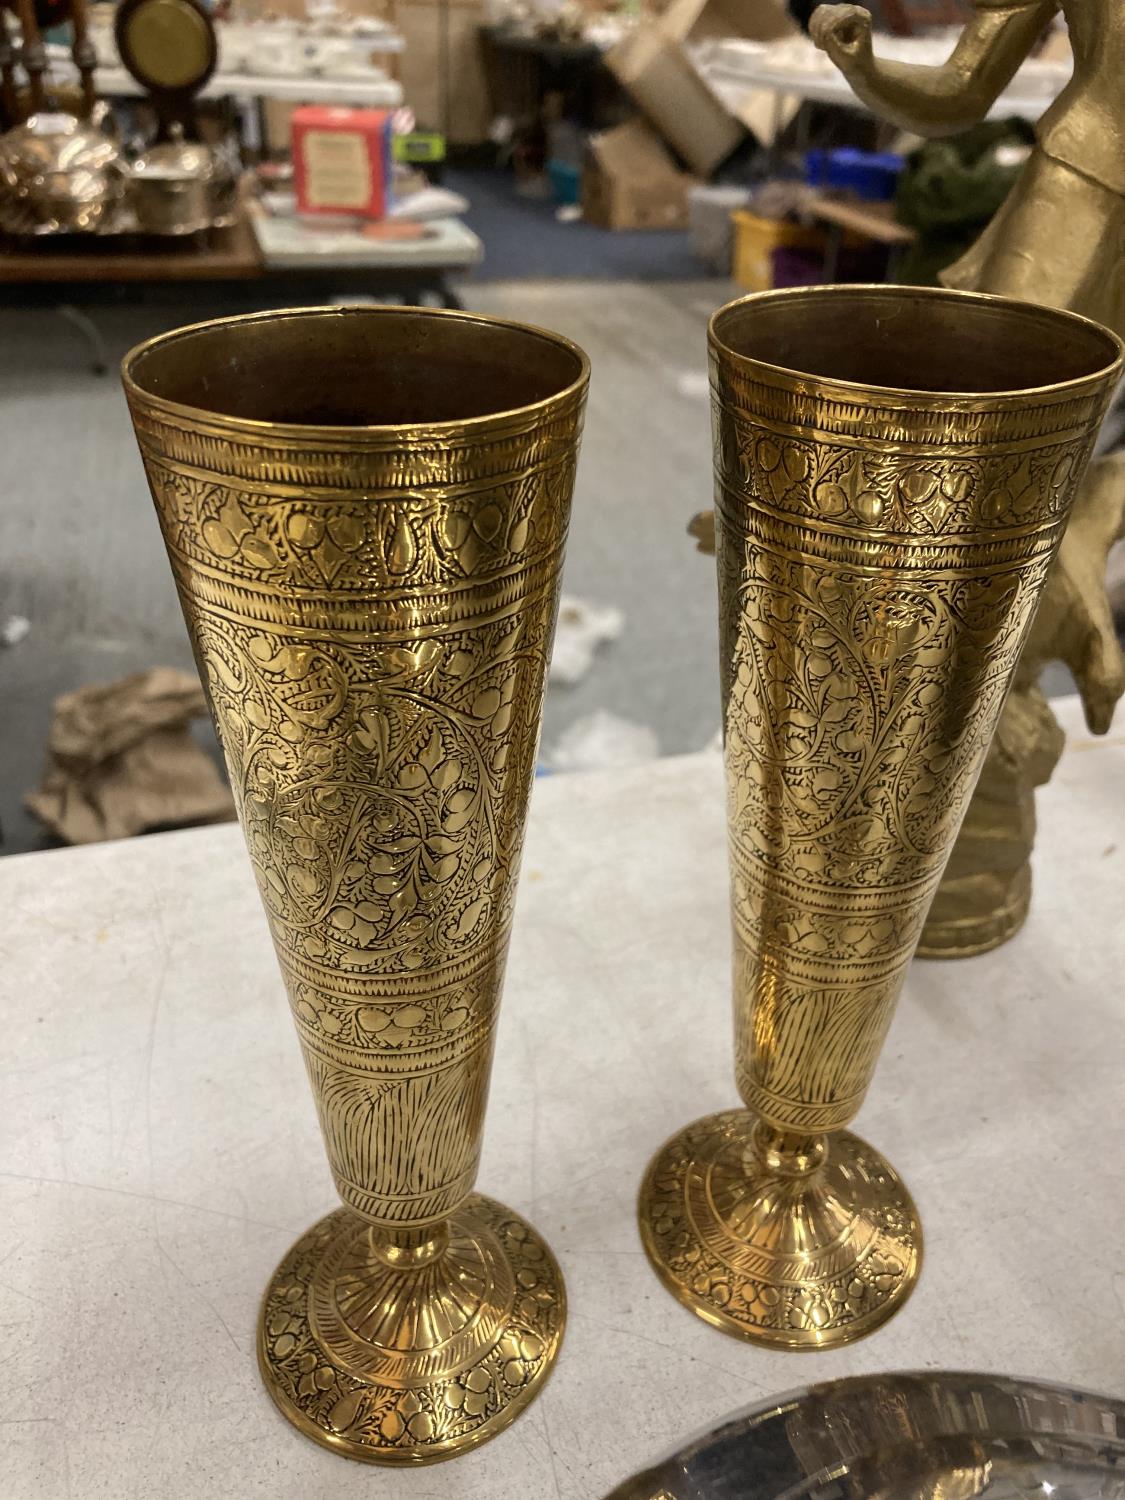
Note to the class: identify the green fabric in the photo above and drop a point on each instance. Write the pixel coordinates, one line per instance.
(949, 190)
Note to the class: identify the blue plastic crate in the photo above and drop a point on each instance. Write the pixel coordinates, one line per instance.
(869, 174)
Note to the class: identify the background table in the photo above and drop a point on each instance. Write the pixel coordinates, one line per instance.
(416, 269)
(221, 255)
(373, 91)
(159, 1150)
(748, 65)
(78, 275)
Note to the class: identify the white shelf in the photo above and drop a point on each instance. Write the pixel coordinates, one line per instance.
(374, 92)
(730, 64)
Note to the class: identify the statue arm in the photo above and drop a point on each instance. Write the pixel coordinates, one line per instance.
(941, 100)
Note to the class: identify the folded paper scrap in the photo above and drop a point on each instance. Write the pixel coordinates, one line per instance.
(122, 760)
(582, 628)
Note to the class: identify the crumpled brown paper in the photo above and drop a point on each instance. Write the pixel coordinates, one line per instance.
(121, 760)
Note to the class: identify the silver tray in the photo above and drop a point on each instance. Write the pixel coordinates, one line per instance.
(934, 1436)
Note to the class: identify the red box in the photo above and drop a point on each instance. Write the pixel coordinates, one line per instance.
(342, 160)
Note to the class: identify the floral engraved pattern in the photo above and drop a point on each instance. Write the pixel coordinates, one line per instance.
(435, 1410)
(832, 711)
(716, 1235)
(874, 596)
(880, 557)
(373, 626)
(938, 494)
(375, 787)
(371, 611)
(411, 540)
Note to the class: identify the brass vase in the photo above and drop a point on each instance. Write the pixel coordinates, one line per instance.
(365, 510)
(894, 470)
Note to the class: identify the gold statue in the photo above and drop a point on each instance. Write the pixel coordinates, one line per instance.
(1059, 240)
(894, 467)
(365, 511)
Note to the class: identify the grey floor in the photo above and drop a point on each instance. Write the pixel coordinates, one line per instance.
(80, 555)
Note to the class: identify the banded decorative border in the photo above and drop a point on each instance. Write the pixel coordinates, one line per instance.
(872, 419)
(797, 535)
(360, 461)
(383, 616)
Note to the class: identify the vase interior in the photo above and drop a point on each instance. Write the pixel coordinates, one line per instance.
(910, 339)
(357, 367)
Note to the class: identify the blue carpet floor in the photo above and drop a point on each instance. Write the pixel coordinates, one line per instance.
(523, 239)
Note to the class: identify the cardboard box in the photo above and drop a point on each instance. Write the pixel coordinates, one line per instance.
(755, 241)
(466, 115)
(751, 20)
(276, 117)
(629, 181)
(652, 65)
(657, 74)
(342, 160)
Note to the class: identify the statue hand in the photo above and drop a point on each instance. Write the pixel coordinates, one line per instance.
(1074, 623)
(844, 33)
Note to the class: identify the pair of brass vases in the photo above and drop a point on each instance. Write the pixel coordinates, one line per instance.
(365, 511)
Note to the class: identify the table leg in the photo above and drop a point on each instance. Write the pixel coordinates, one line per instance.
(832, 252)
(775, 157)
(90, 332)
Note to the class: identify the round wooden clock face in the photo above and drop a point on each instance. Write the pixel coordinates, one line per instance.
(167, 45)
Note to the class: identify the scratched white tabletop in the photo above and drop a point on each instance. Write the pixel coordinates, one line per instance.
(159, 1149)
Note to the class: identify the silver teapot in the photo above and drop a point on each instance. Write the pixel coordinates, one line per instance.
(59, 174)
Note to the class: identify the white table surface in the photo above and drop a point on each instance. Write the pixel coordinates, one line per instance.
(159, 1149)
(289, 243)
(736, 64)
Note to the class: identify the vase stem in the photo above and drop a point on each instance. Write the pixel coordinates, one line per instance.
(786, 1153)
(411, 1248)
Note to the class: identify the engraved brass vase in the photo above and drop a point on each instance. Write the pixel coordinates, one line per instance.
(365, 511)
(894, 470)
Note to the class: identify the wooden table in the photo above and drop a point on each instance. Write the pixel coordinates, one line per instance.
(223, 255)
(871, 220)
(73, 274)
(70, 273)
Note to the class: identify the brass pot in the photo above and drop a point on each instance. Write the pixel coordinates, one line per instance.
(171, 187)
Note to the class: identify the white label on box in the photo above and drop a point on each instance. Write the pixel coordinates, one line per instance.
(337, 170)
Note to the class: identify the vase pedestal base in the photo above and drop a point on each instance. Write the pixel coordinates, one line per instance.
(807, 1259)
(411, 1356)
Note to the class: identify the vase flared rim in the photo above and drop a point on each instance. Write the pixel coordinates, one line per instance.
(857, 392)
(357, 433)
